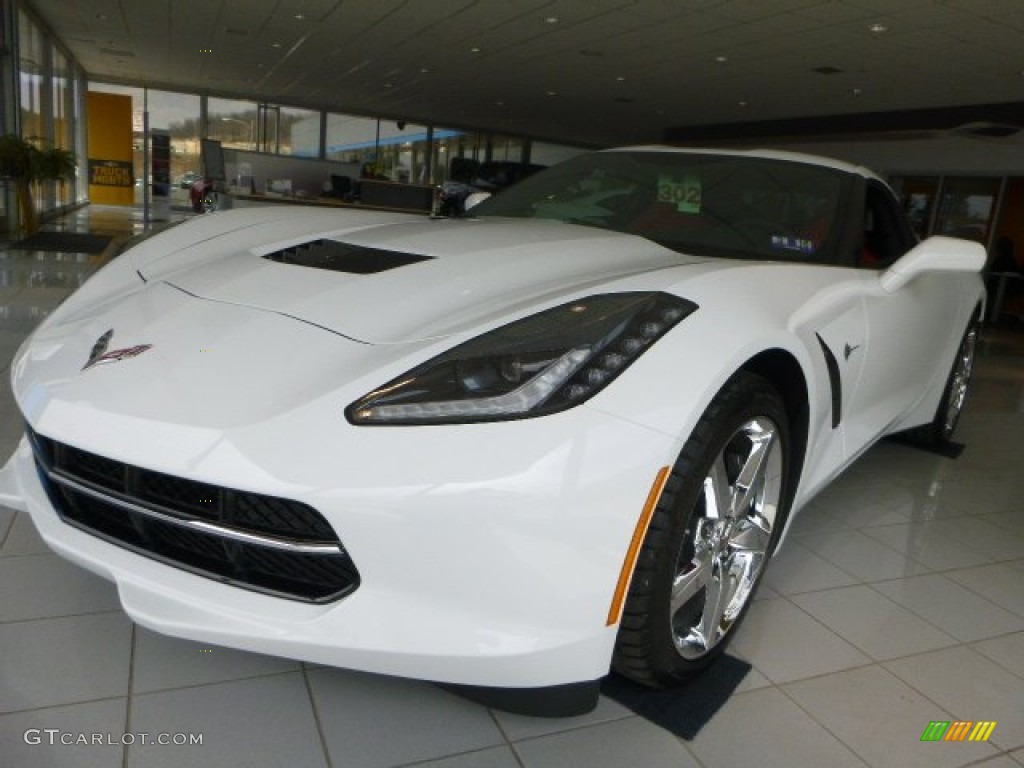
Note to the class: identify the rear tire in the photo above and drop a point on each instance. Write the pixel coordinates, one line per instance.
(939, 431)
(709, 539)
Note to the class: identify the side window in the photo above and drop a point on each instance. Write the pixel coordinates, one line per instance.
(887, 236)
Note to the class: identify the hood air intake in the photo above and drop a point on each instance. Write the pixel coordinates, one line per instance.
(344, 257)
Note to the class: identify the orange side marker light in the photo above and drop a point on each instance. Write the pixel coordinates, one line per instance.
(626, 574)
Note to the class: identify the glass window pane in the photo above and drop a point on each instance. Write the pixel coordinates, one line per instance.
(403, 152)
(457, 154)
(178, 114)
(233, 123)
(32, 72)
(506, 148)
(351, 139)
(299, 132)
(917, 194)
(63, 117)
(542, 153)
(966, 207)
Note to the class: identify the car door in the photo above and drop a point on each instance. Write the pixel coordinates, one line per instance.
(908, 330)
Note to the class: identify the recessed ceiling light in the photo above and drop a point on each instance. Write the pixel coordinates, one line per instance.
(474, 49)
(300, 16)
(424, 70)
(551, 20)
(878, 28)
(743, 103)
(856, 91)
(275, 45)
(721, 59)
(551, 93)
(620, 79)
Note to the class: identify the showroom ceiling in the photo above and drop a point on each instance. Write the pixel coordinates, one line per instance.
(597, 71)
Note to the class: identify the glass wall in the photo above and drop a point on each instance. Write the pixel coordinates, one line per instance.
(31, 77)
(402, 153)
(960, 206)
(234, 123)
(967, 207)
(457, 154)
(351, 139)
(64, 117)
(302, 143)
(44, 99)
(41, 100)
(508, 148)
(544, 153)
(178, 115)
(386, 149)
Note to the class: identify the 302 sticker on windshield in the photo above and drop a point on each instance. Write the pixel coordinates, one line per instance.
(685, 194)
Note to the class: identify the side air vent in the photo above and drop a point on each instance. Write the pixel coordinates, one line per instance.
(835, 382)
(344, 257)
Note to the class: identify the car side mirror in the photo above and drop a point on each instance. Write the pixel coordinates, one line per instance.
(936, 254)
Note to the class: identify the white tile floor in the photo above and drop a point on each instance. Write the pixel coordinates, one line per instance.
(899, 600)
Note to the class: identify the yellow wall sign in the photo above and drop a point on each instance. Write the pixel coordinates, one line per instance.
(111, 179)
(110, 173)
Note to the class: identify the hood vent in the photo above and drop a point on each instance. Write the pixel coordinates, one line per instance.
(344, 257)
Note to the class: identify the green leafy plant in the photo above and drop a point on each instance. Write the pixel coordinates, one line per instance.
(27, 165)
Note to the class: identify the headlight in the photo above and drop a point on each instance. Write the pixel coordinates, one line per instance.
(535, 366)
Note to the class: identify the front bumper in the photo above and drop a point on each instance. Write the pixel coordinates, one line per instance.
(488, 553)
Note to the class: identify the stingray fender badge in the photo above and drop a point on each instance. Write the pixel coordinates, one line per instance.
(100, 356)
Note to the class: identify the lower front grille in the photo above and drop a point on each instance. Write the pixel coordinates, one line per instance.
(263, 543)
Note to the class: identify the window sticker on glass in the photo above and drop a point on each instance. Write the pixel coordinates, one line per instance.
(685, 194)
(801, 244)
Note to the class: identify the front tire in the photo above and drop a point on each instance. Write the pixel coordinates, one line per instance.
(709, 539)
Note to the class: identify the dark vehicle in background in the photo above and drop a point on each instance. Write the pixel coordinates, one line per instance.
(469, 176)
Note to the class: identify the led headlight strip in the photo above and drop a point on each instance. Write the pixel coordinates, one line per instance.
(541, 364)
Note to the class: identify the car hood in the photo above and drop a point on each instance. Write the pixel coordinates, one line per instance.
(389, 278)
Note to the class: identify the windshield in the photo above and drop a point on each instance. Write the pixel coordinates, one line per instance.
(714, 205)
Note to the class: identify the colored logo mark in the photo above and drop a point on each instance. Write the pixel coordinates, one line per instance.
(117, 355)
(958, 730)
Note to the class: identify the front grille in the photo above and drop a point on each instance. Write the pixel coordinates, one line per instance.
(264, 543)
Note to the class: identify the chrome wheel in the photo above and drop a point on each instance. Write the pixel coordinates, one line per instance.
(727, 539)
(715, 524)
(959, 381)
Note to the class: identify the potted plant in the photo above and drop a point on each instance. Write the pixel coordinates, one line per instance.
(26, 164)
(57, 164)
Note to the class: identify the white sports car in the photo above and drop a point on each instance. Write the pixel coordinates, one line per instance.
(506, 452)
